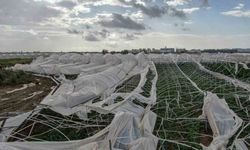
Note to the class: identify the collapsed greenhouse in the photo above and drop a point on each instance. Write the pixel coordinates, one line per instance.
(153, 101)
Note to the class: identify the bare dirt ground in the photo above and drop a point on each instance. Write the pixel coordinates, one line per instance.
(27, 97)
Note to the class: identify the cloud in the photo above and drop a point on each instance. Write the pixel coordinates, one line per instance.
(32, 32)
(67, 4)
(138, 16)
(177, 2)
(237, 13)
(190, 10)
(87, 26)
(23, 12)
(239, 6)
(103, 33)
(74, 31)
(112, 44)
(101, 3)
(46, 38)
(185, 29)
(129, 37)
(205, 4)
(91, 37)
(80, 9)
(155, 11)
(119, 21)
(188, 22)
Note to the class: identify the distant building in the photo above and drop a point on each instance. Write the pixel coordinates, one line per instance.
(247, 50)
(194, 51)
(180, 50)
(167, 50)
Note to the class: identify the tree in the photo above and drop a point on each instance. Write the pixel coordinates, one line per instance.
(124, 52)
(104, 51)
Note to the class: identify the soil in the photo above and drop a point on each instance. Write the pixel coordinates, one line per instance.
(207, 138)
(23, 101)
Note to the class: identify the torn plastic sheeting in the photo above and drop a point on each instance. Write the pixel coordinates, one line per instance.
(95, 69)
(240, 145)
(10, 124)
(86, 87)
(76, 69)
(29, 68)
(203, 57)
(135, 94)
(124, 124)
(125, 130)
(122, 106)
(50, 68)
(56, 64)
(101, 77)
(222, 120)
(97, 59)
(70, 100)
(110, 99)
(142, 60)
(113, 71)
(126, 105)
(58, 68)
(94, 142)
(111, 59)
(129, 106)
(144, 143)
(74, 58)
(143, 80)
(80, 111)
(148, 122)
(85, 144)
(154, 82)
(39, 59)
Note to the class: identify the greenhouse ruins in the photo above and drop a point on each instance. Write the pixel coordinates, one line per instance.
(136, 102)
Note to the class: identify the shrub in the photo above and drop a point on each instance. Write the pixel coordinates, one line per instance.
(9, 77)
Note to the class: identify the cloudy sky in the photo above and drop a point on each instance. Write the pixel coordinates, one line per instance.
(93, 25)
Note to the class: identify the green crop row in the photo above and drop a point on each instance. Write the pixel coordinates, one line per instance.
(129, 85)
(48, 125)
(235, 96)
(178, 103)
(148, 84)
(12, 61)
(229, 69)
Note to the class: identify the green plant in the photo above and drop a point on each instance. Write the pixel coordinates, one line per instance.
(9, 77)
(12, 61)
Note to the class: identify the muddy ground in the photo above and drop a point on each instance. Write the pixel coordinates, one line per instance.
(25, 99)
